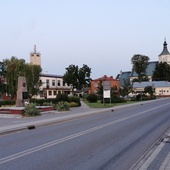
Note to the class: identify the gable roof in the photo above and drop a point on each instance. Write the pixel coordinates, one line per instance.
(105, 78)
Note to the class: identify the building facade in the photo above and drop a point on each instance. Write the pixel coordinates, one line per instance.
(95, 84)
(52, 85)
(161, 88)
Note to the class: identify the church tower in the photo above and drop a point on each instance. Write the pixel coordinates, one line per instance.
(165, 55)
(35, 57)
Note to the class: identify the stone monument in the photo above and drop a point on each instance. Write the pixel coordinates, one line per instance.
(22, 93)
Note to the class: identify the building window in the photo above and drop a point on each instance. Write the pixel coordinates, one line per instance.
(96, 85)
(64, 83)
(58, 82)
(53, 82)
(50, 93)
(47, 84)
(54, 93)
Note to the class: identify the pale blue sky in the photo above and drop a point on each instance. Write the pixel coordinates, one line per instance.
(104, 34)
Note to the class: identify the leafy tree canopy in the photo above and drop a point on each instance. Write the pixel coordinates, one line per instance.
(2, 78)
(32, 73)
(162, 72)
(14, 68)
(140, 63)
(77, 77)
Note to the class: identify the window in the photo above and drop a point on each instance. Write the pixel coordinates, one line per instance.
(64, 83)
(50, 93)
(95, 85)
(53, 82)
(54, 93)
(47, 84)
(58, 82)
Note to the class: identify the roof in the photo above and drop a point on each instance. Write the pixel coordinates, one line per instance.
(151, 83)
(149, 70)
(50, 75)
(105, 78)
(123, 77)
(165, 49)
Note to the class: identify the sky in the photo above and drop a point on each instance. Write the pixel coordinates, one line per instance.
(103, 34)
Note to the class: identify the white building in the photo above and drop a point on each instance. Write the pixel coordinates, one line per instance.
(53, 85)
(162, 88)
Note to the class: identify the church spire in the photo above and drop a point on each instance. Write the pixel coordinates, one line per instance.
(165, 49)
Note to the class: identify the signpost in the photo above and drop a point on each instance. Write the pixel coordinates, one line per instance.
(106, 90)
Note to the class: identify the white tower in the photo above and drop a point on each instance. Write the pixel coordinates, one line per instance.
(35, 57)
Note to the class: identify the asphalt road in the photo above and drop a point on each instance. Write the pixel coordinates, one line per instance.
(113, 141)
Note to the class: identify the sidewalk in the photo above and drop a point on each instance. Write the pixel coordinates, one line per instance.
(158, 160)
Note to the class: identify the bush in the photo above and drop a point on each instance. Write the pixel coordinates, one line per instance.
(92, 98)
(31, 110)
(114, 99)
(73, 104)
(75, 99)
(63, 106)
(7, 102)
(62, 97)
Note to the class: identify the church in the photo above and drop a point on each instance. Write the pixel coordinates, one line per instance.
(162, 88)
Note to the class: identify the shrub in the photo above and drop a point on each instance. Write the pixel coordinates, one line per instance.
(62, 97)
(75, 99)
(7, 102)
(73, 104)
(63, 106)
(92, 98)
(114, 99)
(31, 110)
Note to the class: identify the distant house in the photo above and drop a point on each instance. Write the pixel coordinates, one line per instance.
(96, 83)
(161, 88)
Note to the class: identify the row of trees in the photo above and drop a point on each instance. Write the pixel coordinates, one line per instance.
(11, 69)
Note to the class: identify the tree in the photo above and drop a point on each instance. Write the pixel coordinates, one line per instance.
(126, 89)
(32, 73)
(77, 77)
(149, 90)
(14, 68)
(2, 79)
(140, 63)
(100, 90)
(162, 72)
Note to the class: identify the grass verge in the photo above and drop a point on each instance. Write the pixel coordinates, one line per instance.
(107, 105)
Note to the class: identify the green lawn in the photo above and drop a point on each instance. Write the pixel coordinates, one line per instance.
(101, 105)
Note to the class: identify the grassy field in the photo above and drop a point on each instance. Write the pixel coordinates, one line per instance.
(101, 105)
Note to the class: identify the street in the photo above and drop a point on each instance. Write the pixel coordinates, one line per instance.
(113, 140)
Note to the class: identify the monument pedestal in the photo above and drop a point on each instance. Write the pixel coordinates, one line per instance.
(22, 93)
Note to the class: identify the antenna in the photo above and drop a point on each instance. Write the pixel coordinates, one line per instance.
(34, 49)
